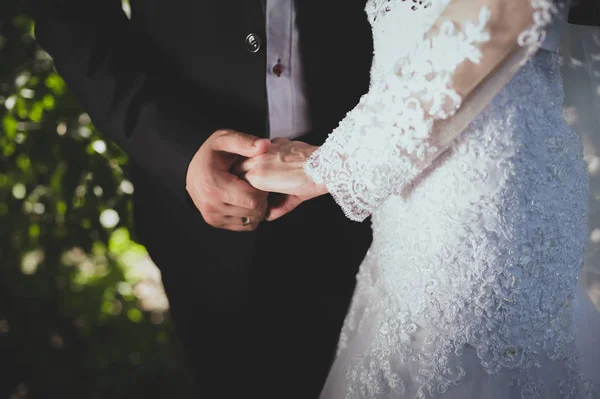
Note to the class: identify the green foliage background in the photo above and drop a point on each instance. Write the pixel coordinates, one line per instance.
(71, 324)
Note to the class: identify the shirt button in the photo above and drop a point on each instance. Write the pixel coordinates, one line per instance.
(253, 42)
(278, 69)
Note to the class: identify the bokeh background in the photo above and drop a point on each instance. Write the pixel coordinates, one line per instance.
(82, 309)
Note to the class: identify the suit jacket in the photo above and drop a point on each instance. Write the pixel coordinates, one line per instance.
(584, 12)
(160, 83)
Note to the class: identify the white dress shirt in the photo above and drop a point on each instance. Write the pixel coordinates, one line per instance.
(286, 94)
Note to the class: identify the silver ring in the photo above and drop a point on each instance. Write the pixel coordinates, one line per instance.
(245, 221)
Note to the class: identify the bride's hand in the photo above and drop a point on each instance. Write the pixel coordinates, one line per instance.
(281, 170)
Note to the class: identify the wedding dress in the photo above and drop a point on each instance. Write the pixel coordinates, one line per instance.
(469, 289)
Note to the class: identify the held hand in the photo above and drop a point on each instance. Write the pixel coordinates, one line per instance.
(224, 200)
(281, 170)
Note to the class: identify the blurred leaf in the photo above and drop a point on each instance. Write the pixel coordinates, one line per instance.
(55, 83)
(76, 325)
(36, 112)
(9, 123)
(134, 315)
(23, 162)
(119, 241)
(48, 102)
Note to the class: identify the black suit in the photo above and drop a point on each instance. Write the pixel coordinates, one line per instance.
(254, 310)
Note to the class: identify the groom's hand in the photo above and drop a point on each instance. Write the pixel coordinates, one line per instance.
(281, 171)
(224, 200)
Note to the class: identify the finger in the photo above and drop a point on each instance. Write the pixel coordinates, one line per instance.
(279, 140)
(246, 164)
(279, 178)
(214, 219)
(240, 193)
(239, 212)
(233, 223)
(282, 206)
(239, 168)
(240, 223)
(241, 144)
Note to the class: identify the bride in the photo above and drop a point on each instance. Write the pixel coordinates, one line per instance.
(478, 195)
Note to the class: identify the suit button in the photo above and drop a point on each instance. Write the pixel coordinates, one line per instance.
(253, 42)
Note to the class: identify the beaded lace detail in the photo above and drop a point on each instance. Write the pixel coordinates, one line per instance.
(476, 253)
(388, 134)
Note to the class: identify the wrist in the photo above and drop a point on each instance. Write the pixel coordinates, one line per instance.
(317, 189)
(320, 189)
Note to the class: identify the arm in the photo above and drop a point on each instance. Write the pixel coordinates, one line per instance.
(174, 136)
(105, 65)
(423, 94)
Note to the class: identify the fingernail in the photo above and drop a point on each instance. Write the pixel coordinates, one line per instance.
(258, 141)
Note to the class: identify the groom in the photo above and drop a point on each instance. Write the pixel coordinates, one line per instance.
(187, 87)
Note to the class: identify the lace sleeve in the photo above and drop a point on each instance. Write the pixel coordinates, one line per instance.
(411, 112)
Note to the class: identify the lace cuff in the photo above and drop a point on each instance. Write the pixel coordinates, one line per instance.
(389, 138)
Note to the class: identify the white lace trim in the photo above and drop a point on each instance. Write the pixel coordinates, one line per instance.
(385, 142)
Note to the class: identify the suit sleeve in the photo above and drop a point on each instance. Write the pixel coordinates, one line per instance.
(107, 66)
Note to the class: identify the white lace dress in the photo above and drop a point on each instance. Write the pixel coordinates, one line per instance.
(470, 286)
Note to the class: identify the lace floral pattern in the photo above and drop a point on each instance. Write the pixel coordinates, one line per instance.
(410, 88)
(471, 275)
(468, 288)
